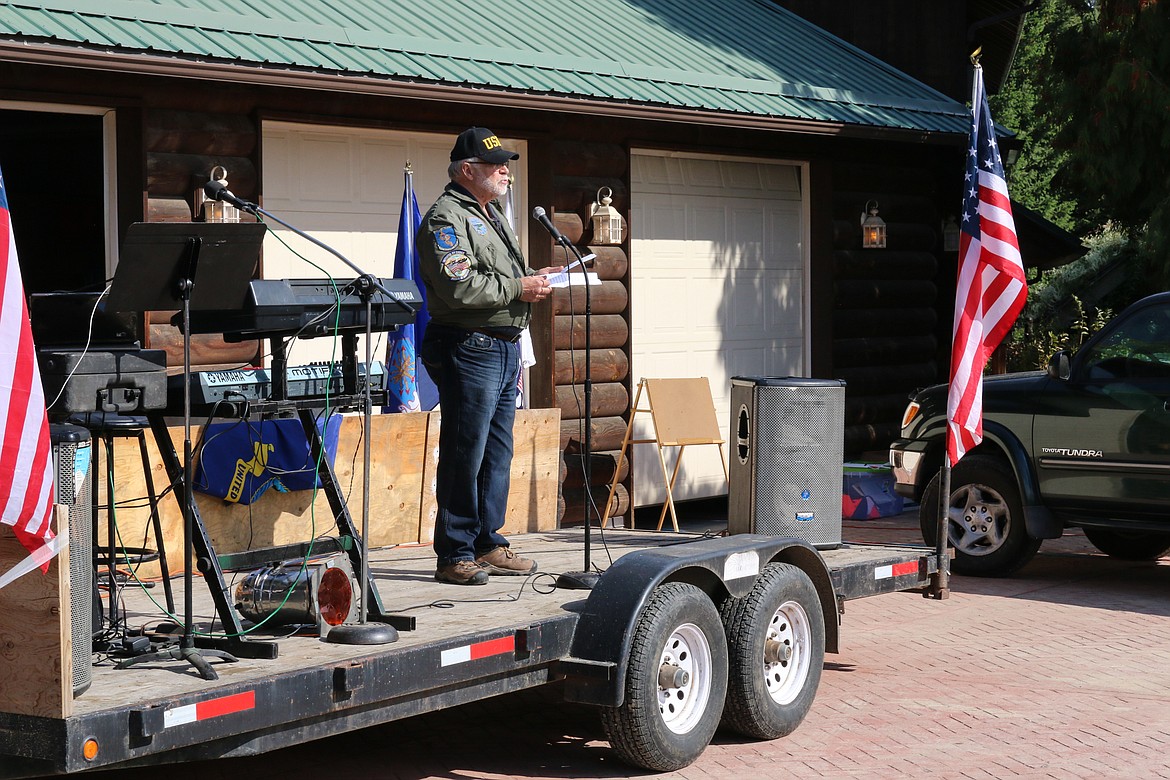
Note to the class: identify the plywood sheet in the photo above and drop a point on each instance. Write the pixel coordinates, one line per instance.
(402, 490)
(536, 459)
(36, 650)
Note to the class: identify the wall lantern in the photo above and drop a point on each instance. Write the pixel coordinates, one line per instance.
(950, 233)
(873, 227)
(607, 222)
(215, 210)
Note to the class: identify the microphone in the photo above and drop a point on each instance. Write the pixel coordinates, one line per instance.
(217, 190)
(540, 216)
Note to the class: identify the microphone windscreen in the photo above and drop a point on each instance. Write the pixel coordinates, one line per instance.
(214, 189)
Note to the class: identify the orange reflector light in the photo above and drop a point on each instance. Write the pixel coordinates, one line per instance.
(334, 595)
(90, 749)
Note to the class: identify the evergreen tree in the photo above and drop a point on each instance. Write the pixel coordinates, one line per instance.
(1020, 106)
(1107, 91)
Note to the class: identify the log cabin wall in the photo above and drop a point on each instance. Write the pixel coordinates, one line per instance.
(181, 148)
(885, 321)
(171, 132)
(579, 169)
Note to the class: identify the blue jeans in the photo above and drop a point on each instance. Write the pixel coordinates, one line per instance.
(476, 376)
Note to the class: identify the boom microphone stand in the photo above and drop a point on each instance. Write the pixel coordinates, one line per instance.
(363, 632)
(587, 578)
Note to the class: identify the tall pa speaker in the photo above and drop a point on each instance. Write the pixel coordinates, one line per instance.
(785, 469)
(71, 460)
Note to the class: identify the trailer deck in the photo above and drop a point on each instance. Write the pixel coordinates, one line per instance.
(468, 643)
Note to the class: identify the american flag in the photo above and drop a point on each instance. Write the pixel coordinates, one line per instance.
(991, 287)
(26, 465)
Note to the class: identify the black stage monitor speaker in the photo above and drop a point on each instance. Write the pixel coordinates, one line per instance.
(71, 461)
(787, 458)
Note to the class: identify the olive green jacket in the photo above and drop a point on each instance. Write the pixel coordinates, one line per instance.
(471, 269)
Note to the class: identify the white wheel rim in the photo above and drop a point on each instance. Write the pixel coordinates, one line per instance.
(683, 707)
(790, 627)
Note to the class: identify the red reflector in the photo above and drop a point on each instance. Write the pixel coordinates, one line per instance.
(334, 596)
(226, 705)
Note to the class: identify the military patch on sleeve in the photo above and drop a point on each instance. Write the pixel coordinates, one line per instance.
(477, 225)
(445, 238)
(456, 265)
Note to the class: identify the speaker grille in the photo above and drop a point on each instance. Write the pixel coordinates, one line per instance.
(795, 439)
(71, 473)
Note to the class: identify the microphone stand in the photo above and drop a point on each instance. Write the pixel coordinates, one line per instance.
(362, 632)
(587, 578)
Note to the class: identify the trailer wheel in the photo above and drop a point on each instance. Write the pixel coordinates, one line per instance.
(676, 681)
(776, 643)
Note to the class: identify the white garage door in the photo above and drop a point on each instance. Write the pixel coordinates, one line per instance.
(719, 266)
(344, 187)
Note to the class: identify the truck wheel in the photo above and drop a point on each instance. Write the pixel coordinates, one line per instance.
(985, 520)
(1129, 545)
(776, 644)
(676, 681)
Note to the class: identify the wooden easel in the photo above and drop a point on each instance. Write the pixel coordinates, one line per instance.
(683, 414)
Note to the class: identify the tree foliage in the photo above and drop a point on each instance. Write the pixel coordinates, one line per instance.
(1106, 91)
(1019, 105)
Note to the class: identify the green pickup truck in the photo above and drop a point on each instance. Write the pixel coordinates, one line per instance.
(1084, 444)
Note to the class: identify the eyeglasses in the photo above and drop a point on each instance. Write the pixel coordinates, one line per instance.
(492, 164)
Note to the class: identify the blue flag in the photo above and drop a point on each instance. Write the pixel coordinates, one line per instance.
(411, 389)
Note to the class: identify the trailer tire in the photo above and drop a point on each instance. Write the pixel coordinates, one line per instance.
(776, 646)
(664, 726)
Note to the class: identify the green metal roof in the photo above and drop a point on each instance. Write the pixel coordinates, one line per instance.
(749, 58)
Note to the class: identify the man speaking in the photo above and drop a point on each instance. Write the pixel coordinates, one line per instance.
(480, 292)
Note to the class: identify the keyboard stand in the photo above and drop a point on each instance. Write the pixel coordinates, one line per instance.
(213, 565)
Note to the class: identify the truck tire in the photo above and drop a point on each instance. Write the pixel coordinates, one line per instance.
(776, 646)
(1129, 545)
(986, 519)
(676, 682)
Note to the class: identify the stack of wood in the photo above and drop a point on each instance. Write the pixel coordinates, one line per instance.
(582, 168)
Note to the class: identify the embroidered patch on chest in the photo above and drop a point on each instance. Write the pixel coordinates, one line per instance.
(445, 238)
(477, 224)
(456, 265)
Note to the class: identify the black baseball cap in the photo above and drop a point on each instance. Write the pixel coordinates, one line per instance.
(482, 143)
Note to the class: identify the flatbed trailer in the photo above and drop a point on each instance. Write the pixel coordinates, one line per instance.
(680, 631)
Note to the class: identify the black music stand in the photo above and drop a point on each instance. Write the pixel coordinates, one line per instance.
(186, 266)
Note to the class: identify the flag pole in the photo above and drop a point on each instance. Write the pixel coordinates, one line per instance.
(991, 288)
(942, 526)
(942, 587)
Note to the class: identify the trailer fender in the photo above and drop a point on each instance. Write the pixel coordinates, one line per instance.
(595, 672)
